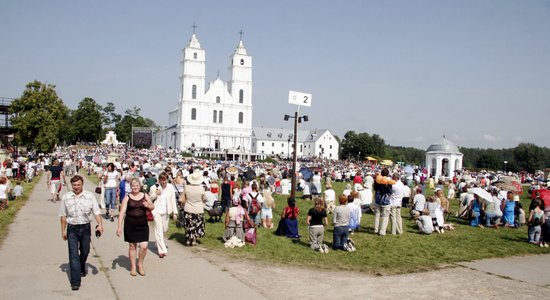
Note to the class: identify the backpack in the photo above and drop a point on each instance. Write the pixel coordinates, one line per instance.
(254, 205)
(383, 193)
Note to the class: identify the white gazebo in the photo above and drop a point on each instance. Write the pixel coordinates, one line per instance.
(443, 159)
(110, 139)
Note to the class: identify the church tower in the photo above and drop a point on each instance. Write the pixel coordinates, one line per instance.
(240, 84)
(215, 117)
(193, 76)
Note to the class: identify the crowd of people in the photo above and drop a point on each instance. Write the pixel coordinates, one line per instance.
(142, 188)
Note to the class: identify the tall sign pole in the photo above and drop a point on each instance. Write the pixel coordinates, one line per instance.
(294, 157)
(300, 99)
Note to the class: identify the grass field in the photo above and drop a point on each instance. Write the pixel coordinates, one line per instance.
(390, 254)
(409, 252)
(7, 216)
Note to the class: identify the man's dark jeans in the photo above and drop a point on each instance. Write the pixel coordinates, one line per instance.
(340, 237)
(78, 237)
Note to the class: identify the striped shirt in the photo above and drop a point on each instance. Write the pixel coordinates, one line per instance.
(79, 208)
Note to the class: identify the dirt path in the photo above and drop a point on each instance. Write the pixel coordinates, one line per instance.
(457, 282)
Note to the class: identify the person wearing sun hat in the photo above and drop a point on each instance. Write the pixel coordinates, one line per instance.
(194, 208)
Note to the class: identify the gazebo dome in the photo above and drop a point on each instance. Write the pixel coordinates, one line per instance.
(443, 159)
(445, 146)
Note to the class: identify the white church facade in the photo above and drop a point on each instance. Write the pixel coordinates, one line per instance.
(217, 116)
(215, 119)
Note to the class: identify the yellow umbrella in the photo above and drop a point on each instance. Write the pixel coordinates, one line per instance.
(386, 162)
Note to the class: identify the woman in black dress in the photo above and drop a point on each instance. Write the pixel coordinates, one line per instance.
(136, 229)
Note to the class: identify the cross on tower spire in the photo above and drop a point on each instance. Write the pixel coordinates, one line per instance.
(194, 27)
(241, 33)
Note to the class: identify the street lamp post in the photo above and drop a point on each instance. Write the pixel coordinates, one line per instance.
(297, 120)
(505, 163)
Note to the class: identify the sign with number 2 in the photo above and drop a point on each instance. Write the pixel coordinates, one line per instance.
(299, 98)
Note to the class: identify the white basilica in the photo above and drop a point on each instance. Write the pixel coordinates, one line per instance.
(217, 116)
(216, 119)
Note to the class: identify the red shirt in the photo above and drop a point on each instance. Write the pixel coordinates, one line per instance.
(291, 213)
(358, 179)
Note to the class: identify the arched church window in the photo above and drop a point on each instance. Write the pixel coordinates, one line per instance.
(241, 96)
(241, 117)
(193, 114)
(195, 55)
(218, 99)
(242, 62)
(215, 116)
(194, 92)
(221, 117)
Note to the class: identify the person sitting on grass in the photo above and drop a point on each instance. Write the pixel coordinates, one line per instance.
(443, 202)
(475, 211)
(466, 196)
(235, 218)
(340, 219)
(330, 198)
(4, 190)
(290, 216)
(424, 223)
(492, 211)
(267, 209)
(418, 204)
(508, 208)
(436, 214)
(316, 221)
(355, 212)
(18, 190)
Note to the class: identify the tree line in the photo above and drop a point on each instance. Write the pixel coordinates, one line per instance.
(524, 157)
(42, 120)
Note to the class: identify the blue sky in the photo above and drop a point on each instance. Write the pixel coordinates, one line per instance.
(410, 71)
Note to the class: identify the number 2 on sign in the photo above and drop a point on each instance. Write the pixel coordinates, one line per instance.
(305, 99)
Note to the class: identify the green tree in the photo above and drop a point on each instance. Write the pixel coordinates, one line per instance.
(87, 121)
(359, 146)
(109, 117)
(529, 157)
(39, 116)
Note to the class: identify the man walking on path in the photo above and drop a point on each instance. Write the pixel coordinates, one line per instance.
(76, 212)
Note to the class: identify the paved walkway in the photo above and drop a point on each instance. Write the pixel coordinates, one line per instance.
(34, 264)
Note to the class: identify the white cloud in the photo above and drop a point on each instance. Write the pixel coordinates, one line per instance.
(518, 139)
(489, 137)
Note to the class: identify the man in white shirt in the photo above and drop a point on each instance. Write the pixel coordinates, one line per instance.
(395, 205)
(75, 211)
(365, 197)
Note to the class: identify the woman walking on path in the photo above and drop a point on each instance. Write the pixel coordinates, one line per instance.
(136, 229)
(164, 196)
(111, 181)
(194, 208)
(55, 176)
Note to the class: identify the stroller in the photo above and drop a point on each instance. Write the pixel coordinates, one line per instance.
(215, 212)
